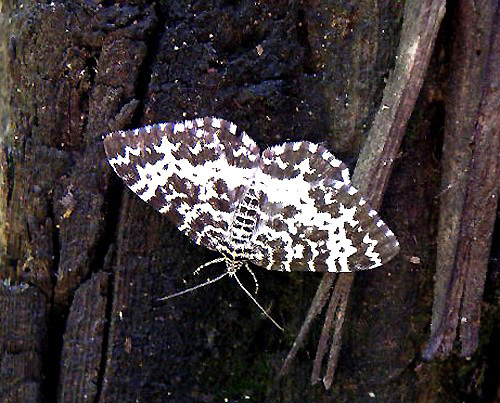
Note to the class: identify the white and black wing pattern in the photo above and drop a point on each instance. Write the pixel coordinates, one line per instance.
(312, 218)
(291, 208)
(193, 171)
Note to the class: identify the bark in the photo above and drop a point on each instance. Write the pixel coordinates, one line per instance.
(83, 260)
(470, 180)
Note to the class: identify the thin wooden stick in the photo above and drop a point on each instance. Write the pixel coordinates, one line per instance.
(325, 334)
(421, 23)
(317, 304)
(344, 288)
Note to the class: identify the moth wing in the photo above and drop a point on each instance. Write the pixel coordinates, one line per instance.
(191, 171)
(312, 218)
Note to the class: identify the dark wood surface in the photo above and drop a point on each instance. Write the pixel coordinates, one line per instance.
(87, 260)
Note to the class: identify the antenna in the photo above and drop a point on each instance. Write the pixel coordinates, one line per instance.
(218, 260)
(256, 303)
(195, 287)
(231, 274)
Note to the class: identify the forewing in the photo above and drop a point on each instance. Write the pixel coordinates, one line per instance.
(191, 171)
(312, 218)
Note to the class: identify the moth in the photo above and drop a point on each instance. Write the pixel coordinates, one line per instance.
(291, 207)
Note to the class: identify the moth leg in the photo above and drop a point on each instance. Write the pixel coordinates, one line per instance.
(218, 260)
(254, 278)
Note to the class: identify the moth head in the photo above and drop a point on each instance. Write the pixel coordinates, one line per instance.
(233, 265)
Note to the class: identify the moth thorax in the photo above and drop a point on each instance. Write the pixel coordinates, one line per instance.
(243, 224)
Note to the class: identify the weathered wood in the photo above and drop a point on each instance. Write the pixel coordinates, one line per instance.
(23, 334)
(470, 178)
(281, 70)
(83, 355)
